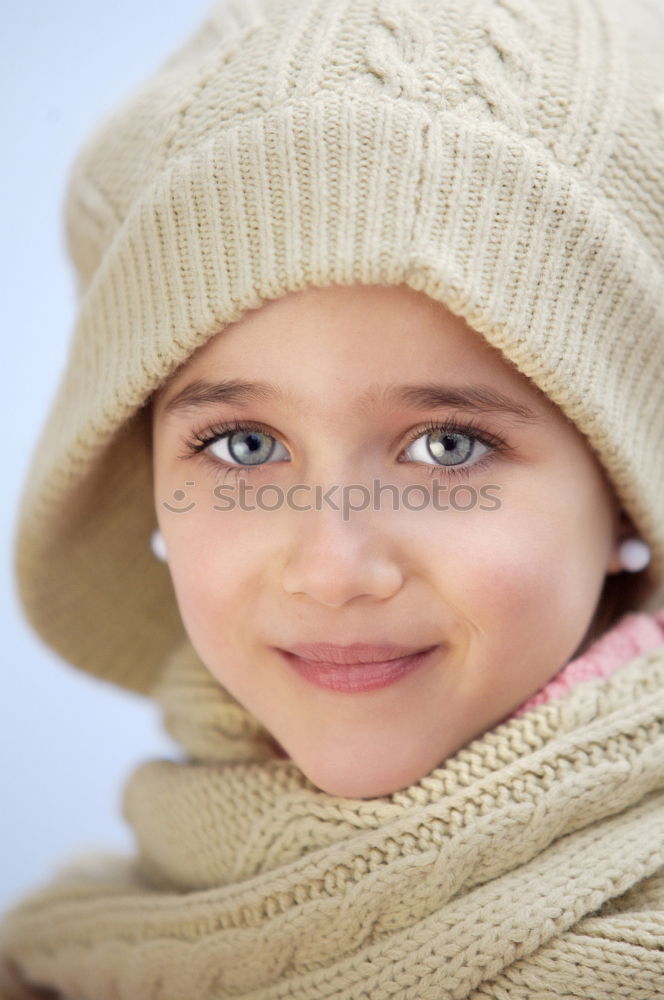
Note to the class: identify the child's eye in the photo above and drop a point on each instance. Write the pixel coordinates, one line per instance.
(238, 444)
(446, 446)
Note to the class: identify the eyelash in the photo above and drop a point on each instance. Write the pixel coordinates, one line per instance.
(207, 435)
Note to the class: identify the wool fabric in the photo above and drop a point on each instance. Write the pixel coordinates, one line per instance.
(502, 156)
(528, 866)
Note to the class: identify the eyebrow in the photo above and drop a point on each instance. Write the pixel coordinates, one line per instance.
(201, 394)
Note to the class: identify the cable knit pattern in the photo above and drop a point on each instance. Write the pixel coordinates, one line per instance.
(528, 864)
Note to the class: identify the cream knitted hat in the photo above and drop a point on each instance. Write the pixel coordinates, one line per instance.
(502, 156)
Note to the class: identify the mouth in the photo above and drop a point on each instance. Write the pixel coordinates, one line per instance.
(355, 653)
(355, 668)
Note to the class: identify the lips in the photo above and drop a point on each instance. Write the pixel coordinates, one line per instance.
(338, 668)
(356, 653)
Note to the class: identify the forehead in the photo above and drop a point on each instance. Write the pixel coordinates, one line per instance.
(364, 346)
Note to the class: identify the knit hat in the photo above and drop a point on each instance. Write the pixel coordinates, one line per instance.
(502, 156)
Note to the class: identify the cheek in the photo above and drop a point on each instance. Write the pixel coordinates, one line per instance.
(508, 565)
(535, 566)
(222, 580)
(217, 563)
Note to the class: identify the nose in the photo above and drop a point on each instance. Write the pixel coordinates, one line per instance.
(333, 561)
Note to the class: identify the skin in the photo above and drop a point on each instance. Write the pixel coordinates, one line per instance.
(506, 594)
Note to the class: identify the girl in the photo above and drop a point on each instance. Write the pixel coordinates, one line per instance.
(356, 467)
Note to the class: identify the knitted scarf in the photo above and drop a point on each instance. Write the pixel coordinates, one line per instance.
(529, 865)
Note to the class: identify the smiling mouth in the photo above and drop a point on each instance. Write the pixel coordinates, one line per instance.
(356, 653)
(354, 676)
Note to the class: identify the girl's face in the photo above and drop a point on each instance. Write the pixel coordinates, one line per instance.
(493, 559)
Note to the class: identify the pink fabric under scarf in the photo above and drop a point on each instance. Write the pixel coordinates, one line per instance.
(634, 633)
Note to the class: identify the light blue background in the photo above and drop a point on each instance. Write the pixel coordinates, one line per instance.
(67, 743)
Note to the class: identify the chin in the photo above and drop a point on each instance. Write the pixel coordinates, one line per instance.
(353, 782)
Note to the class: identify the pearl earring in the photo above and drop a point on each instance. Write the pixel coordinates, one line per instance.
(634, 554)
(158, 545)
